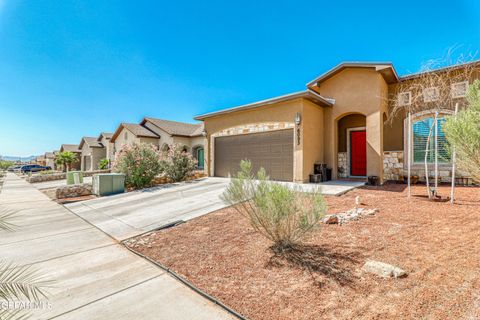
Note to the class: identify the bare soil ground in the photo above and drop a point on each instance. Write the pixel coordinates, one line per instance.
(436, 243)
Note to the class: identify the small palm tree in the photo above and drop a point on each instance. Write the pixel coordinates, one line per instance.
(18, 282)
(65, 159)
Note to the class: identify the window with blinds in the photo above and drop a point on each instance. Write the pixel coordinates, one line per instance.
(420, 130)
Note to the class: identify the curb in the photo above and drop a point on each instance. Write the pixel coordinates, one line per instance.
(188, 284)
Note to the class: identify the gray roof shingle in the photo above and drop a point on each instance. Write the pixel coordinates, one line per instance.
(177, 128)
(91, 142)
(70, 147)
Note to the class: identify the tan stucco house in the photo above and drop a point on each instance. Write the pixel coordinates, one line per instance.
(91, 152)
(162, 133)
(340, 120)
(75, 149)
(105, 140)
(40, 160)
(50, 160)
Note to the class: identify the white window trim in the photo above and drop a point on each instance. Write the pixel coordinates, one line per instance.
(428, 98)
(463, 95)
(408, 153)
(401, 103)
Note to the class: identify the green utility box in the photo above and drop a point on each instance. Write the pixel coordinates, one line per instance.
(74, 177)
(105, 184)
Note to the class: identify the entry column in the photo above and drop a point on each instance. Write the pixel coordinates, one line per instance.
(375, 145)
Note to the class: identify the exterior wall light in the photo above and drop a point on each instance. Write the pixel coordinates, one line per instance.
(298, 118)
(204, 132)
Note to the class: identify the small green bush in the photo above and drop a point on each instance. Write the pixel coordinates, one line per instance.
(178, 164)
(281, 214)
(140, 163)
(103, 164)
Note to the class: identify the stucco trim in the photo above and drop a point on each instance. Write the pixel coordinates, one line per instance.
(379, 66)
(349, 166)
(307, 94)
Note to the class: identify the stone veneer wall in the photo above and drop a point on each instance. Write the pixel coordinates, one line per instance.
(73, 191)
(394, 168)
(255, 127)
(343, 169)
(393, 165)
(60, 176)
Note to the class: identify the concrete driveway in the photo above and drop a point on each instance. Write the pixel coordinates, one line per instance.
(93, 277)
(129, 214)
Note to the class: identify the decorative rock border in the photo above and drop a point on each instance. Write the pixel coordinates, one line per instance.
(349, 215)
(60, 176)
(75, 190)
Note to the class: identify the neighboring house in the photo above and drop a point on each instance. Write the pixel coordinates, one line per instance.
(162, 133)
(92, 151)
(105, 140)
(339, 120)
(50, 160)
(191, 136)
(40, 160)
(72, 148)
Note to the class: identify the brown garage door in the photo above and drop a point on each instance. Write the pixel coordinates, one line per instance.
(270, 150)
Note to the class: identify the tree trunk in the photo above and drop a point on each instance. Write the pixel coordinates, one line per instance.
(436, 151)
(454, 158)
(426, 161)
(409, 149)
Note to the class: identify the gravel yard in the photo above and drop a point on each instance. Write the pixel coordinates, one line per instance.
(436, 243)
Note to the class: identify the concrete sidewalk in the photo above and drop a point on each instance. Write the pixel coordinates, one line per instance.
(93, 276)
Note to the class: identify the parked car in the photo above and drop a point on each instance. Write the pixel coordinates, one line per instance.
(34, 168)
(13, 168)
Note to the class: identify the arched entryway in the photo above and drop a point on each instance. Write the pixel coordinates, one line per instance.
(352, 146)
(198, 153)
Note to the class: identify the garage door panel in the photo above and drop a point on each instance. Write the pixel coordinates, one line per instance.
(270, 150)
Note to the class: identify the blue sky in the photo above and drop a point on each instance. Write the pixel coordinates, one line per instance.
(75, 68)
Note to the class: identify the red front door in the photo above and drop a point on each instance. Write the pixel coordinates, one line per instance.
(358, 153)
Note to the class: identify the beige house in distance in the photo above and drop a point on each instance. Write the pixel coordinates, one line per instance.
(92, 151)
(339, 120)
(105, 140)
(40, 160)
(72, 148)
(50, 160)
(162, 133)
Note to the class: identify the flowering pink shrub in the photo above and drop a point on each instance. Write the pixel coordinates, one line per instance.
(140, 163)
(178, 163)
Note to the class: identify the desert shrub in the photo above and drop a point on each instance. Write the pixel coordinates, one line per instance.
(281, 214)
(463, 132)
(140, 163)
(103, 164)
(4, 164)
(178, 163)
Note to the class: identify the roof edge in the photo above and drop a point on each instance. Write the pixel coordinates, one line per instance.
(352, 64)
(307, 94)
(442, 69)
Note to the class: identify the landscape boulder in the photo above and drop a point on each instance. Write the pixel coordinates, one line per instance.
(383, 270)
(73, 191)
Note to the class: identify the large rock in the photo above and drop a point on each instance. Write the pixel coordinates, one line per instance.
(330, 219)
(73, 191)
(383, 270)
